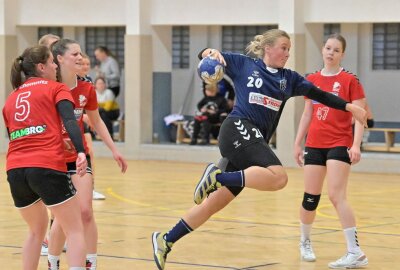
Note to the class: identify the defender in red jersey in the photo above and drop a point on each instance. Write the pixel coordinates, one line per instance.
(68, 56)
(330, 150)
(32, 116)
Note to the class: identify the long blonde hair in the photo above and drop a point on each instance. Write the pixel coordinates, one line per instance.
(257, 45)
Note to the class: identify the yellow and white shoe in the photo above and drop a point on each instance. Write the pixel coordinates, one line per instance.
(161, 248)
(208, 183)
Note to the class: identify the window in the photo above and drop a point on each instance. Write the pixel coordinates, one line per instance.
(58, 31)
(386, 46)
(180, 46)
(331, 28)
(110, 37)
(236, 38)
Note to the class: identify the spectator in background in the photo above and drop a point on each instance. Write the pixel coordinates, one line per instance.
(108, 107)
(211, 108)
(226, 90)
(109, 69)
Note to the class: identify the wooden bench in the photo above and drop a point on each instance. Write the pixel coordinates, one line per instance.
(389, 146)
(181, 136)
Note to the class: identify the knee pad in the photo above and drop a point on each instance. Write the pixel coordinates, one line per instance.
(310, 202)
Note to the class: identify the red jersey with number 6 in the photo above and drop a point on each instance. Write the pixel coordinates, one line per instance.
(34, 125)
(330, 127)
(85, 98)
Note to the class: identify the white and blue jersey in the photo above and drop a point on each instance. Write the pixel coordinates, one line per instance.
(261, 92)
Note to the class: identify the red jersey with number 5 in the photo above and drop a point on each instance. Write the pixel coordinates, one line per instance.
(34, 125)
(85, 98)
(330, 127)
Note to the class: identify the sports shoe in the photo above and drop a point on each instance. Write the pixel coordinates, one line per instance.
(350, 260)
(161, 248)
(45, 248)
(88, 264)
(207, 184)
(306, 251)
(98, 196)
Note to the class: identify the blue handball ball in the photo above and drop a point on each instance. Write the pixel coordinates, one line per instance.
(210, 70)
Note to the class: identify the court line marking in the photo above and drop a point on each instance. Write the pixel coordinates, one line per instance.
(169, 262)
(245, 220)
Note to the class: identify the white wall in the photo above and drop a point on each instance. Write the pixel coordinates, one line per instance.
(71, 12)
(212, 12)
(354, 11)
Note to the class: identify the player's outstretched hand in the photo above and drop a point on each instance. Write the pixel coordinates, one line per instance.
(358, 113)
(81, 164)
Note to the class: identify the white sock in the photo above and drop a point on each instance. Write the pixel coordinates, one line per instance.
(54, 262)
(305, 230)
(92, 260)
(351, 239)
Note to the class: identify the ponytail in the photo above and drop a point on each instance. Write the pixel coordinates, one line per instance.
(24, 66)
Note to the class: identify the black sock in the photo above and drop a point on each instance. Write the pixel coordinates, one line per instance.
(178, 231)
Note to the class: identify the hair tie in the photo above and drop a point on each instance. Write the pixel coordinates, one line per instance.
(20, 58)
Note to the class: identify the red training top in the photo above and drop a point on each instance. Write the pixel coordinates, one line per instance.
(330, 127)
(85, 98)
(34, 125)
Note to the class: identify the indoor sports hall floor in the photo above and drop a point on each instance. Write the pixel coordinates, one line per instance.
(258, 231)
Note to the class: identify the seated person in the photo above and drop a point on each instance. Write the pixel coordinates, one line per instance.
(226, 90)
(211, 109)
(108, 107)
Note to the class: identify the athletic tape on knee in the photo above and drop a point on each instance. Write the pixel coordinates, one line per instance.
(310, 201)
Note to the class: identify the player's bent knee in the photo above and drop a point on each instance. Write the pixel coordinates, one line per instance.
(310, 201)
(281, 181)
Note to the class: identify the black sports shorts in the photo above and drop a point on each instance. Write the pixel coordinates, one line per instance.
(29, 185)
(242, 144)
(319, 156)
(71, 166)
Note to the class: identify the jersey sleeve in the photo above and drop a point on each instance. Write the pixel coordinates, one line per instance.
(62, 93)
(92, 104)
(234, 63)
(356, 89)
(300, 84)
(309, 78)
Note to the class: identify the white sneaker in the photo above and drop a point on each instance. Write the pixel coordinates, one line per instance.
(98, 196)
(306, 251)
(350, 260)
(45, 249)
